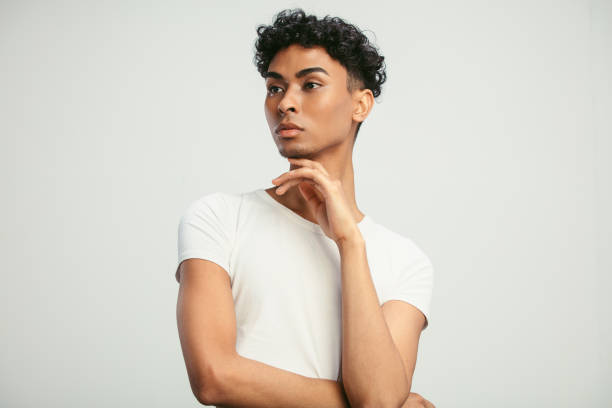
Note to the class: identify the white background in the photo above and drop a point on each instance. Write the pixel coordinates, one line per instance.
(490, 147)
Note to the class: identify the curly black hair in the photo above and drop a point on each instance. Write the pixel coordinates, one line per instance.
(343, 42)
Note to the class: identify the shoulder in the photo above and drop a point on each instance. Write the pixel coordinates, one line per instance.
(217, 198)
(219, 203)
(404, 251)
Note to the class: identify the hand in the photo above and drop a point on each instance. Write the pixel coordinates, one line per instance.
(415, 400)
(324, 197)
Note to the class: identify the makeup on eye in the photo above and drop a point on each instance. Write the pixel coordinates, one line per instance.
(306, 83)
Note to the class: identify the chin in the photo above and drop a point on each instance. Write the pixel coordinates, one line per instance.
(296, 152)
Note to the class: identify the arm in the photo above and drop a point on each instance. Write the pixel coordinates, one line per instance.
(372, 369)
(218, 375)
(251, 383)
(405, 323)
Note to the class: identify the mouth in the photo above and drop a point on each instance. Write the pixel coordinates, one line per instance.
(288, 129)
(289, 132)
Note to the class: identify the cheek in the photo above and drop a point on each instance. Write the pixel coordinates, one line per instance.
(267, 107)
(334, 115)
(330, 105)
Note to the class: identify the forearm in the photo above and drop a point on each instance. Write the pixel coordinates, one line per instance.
(251, 383)
(372, 367)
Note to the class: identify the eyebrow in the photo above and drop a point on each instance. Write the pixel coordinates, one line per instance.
(299, 74)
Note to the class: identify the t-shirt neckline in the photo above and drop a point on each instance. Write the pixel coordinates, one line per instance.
(298, 218)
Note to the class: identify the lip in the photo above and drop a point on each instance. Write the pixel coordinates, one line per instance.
(287, 128)
(289, 132)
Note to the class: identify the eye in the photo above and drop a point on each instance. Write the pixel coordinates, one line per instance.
(273, 87)
(270, 89)
(313, 83)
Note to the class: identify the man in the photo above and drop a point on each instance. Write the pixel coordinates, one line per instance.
(290, 296)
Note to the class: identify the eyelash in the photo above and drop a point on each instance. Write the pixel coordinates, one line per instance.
(273, 86)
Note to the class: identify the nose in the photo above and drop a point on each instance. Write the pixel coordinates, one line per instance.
(287, 103)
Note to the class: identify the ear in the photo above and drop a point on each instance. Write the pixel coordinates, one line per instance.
(363, 100)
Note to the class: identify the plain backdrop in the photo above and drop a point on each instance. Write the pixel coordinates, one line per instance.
(490, 147)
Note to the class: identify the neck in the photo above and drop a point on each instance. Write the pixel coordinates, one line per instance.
(338, 169)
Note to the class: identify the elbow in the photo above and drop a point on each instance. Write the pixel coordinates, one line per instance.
(382, 401)
(387, 400)
(219, 378)
(378, 404)
(404, 396)
(205, 396)
(394, 396)
(402, 401)
(207, 393)
(385, 404)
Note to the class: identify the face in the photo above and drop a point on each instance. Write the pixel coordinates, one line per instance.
(316, 100)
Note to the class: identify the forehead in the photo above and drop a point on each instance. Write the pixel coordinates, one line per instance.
(292, 59)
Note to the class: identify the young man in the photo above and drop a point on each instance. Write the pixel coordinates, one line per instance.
(290, 296)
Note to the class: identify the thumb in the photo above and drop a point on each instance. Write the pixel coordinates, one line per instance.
(306, 190)
(309, 194)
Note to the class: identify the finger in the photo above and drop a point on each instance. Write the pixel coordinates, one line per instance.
(310, 193)
(282, 188)
(310, 163)
(297, 172)
(425, 403)
(322, 182)
(287, 185)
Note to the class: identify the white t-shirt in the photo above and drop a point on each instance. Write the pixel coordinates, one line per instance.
(286, 280)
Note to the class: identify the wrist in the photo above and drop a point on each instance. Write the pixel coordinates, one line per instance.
(354, 240)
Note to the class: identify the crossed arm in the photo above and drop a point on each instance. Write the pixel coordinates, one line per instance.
(219, 376)
(378, 343)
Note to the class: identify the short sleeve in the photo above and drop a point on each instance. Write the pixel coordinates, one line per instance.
(205, 231)
(414, 284)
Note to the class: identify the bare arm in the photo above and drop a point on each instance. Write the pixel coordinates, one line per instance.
(372, 368)
(251, 383)
(218, 375)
